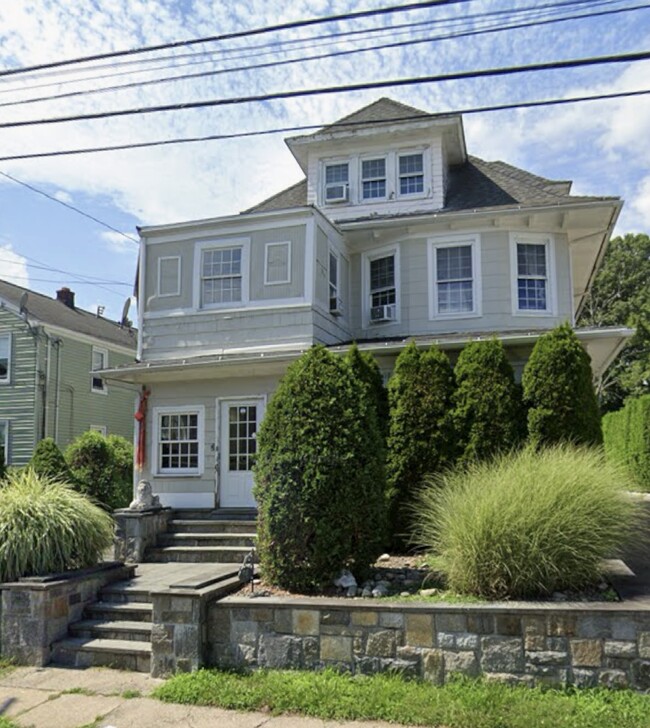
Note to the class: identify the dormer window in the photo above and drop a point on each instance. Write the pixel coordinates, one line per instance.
(337, 179)
(411, 174)
(373, 179)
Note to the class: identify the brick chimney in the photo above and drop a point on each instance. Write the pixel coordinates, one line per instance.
(66, 296)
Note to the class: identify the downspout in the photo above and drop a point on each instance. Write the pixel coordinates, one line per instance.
(48, 358)
(58, 343)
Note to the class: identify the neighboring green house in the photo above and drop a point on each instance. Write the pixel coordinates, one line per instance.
(48, 351)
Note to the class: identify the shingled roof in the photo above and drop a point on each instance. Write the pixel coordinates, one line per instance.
(48, 310)
(473, 185)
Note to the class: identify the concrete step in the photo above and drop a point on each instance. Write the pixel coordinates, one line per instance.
(133, 612)
(120, 654)
(242, 540)
(197, 554)
(112, 630)
(124, 592)
(185, 525)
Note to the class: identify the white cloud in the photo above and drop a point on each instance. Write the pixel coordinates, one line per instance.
(13, 267)
(640, 204)
(63, 196)
(117, 243)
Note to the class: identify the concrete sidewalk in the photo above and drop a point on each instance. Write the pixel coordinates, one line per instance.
(54, 697)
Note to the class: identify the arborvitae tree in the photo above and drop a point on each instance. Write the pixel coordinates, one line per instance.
(559, 392)
(48, 461)
(421, 439)
(365, 368)
(319, 477)
(487, 403)
(92, 461)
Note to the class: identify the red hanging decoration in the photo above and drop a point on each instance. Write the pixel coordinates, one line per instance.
(141, 417)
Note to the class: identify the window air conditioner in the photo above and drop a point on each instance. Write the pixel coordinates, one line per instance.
(336, 192)
(379, 314)
(336, 306)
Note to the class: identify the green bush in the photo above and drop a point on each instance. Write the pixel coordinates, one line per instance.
(487, 409)
(627, 439)
(421, 438)
(48, 460)
(47, 527)
(526, 524)
(559, 393)
(365, 367)
(99, 466)
(319, 480)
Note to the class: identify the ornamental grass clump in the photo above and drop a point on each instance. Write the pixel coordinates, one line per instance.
(47, 527)
(526, 524)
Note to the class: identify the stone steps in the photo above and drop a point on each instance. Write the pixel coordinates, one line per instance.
(112, 630)
(190, 525)
(241, 540)
(123, 592)
(112, 611)
(197, 554)
(120, 654)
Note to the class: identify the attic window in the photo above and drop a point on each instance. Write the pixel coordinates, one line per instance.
(337, 179)
(411, 174)
(373, 179)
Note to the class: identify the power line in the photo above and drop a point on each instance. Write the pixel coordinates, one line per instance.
(236, 34)
(345, 125)
(322, 56)
(88, 279)
(69, 206)
(67, 280)
(366, 86)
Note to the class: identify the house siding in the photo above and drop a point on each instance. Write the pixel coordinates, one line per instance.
(17, 399)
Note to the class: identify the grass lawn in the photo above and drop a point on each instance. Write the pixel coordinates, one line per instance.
(461, 704)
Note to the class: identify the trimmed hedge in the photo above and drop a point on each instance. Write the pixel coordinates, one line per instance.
(627, 439)
(365, 367)
(559, 393)
(487, 403)
(48, 461)
(319, 477)
(421, 439)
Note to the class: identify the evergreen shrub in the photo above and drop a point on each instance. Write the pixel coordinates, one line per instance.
(48, 460)
(559, 393)
(365, 367)
(421, 439)
(47, 527)
(527, 523)
(487, 409)
(627, 439)
(99, 467)
(319, 478)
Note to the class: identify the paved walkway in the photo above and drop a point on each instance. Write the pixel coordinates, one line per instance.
(153, 577)
(55, 697)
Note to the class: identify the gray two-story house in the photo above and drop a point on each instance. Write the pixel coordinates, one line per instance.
(50, 354)
(396, 233)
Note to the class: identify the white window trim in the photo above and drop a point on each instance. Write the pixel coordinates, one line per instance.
(286, 243)
(365, 292)
(177, 292)
(5, 444)
(99, 428)
(367, 158)
(198, 410)
(551, 275)
(104, 389)
(427, 187)
(244, 244)
(454, 241)
(324, 163)
(7, 380)
(332, 251)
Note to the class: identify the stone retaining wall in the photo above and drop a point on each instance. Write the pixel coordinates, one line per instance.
(557, 644)
(138, 530)
(36, 612)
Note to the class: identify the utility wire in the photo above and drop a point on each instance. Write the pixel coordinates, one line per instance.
(276, 46)
(16, 276)
(87, 279)
(236, 34)
(337, 126)
(322, 56)
(325, 90)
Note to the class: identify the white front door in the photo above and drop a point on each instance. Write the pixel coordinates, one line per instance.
(239, 421)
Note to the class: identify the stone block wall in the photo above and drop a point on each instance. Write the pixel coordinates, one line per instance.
(580, 644)
(136, 531)
(37, 612)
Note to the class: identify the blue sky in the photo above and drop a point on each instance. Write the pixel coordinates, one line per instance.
(603, 146)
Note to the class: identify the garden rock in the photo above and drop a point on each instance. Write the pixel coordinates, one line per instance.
(381, 590)
(384, 557)
(428, 592)
(345, 580)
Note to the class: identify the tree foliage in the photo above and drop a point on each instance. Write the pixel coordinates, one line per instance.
(421, 438)
(487, 409)
(365, 368)
(558, 391)
(620, 296)
(319, 477)
(626, 434)
(48, 461)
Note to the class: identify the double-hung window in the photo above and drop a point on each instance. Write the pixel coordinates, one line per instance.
(179, 441)
(532, 268)
(411, 173)
(454, 271)
(373, 179)
(221, 275)
(382, 281)
(333, 277)
(337, 179)
(99, 361)
(5, 358)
